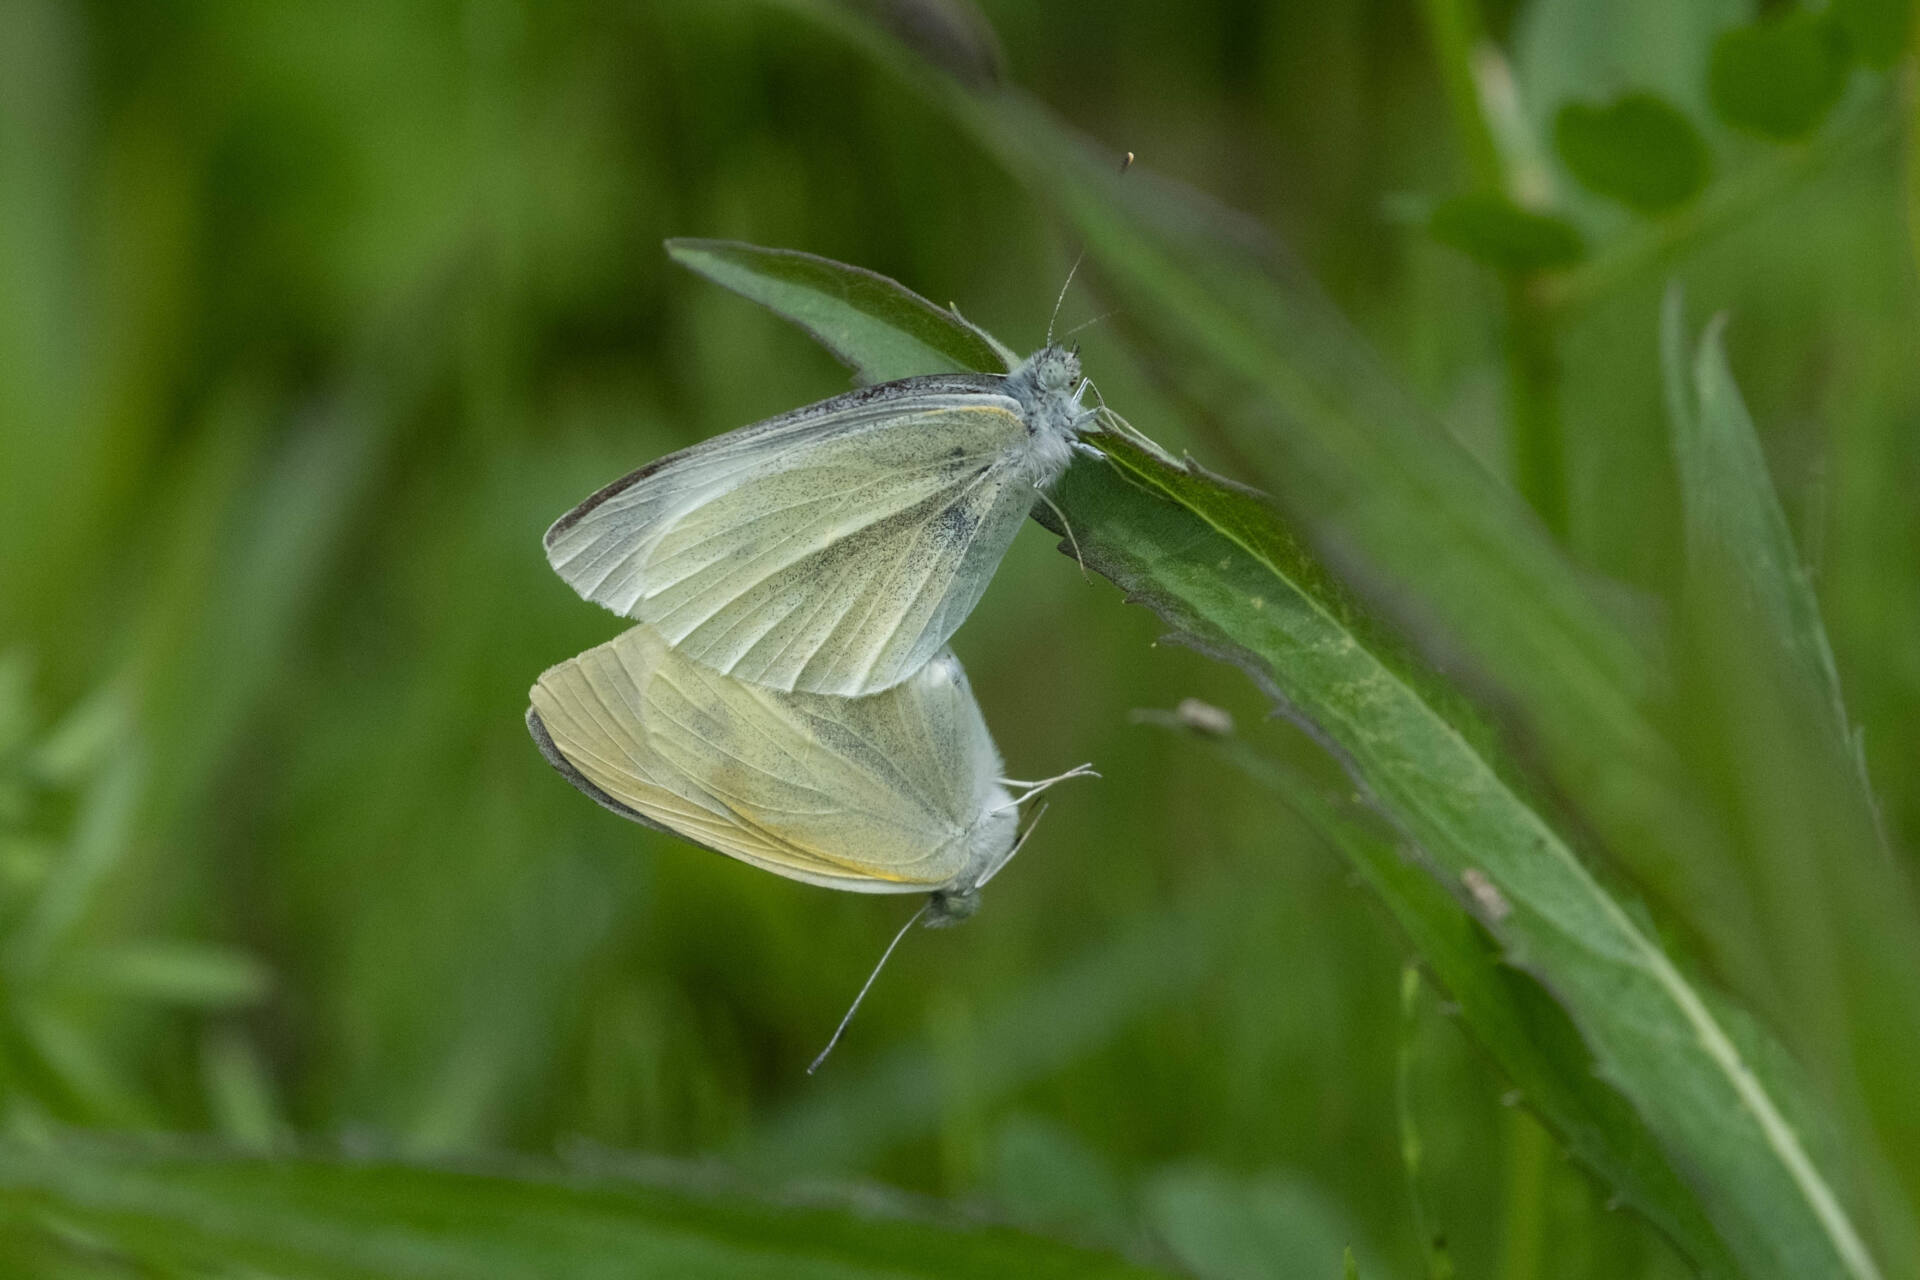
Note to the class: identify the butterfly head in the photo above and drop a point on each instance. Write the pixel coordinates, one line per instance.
(950, 906)
(1054, 370)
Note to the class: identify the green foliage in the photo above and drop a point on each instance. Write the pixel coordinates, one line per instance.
(1516, 1021)
(1637, 149)
(881, 329)
(1877, 31)
(1734, 519)
(1784, 746)
(1652, 1034)
(1222, 568)
(311, 326)
(176, 1207)
(1223, 1229)
(1780, 76)
(1492, 229)
(69, 796)
(1413, 1151)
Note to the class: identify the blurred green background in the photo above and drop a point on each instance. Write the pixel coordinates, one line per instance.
(312, 317)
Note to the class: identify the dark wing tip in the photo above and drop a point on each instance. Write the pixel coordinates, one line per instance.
(559, 527)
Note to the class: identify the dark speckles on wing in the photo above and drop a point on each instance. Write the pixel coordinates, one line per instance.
(955, 525)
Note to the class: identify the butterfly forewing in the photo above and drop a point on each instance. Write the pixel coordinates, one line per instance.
(833, 551)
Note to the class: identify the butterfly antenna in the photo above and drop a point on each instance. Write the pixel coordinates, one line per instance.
(1019, 844)
(1087, 324)
(868, 985)
(1071, 540)
(1064, 285)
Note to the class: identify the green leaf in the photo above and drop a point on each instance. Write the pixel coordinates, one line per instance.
(1428, 1229)
(880, 328)
(84, 738)
(1218, 563)
(179, 973)
(1765, 696)
(240, 1092)
(1779, 76)
(1368, 479)
(1563, 50)
(1494, 230)
(1226, 1228)
(1637, 149)
(1732, 510)
(103, 830)
(173, 1206)
(1512, 1017)
(1250, 347)
(1373, 483)
(1046, 1178)
(1876, 30)
(1178, 541)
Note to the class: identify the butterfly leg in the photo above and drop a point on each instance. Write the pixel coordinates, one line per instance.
(1026, 835)
(1028, 790)
(1071, 540)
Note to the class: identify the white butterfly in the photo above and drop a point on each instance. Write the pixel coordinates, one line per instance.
(836, 548)
(899, 792)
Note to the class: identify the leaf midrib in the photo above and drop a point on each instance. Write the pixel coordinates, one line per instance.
(1714, 1039)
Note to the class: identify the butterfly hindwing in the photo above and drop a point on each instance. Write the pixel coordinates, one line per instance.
(876, 794)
